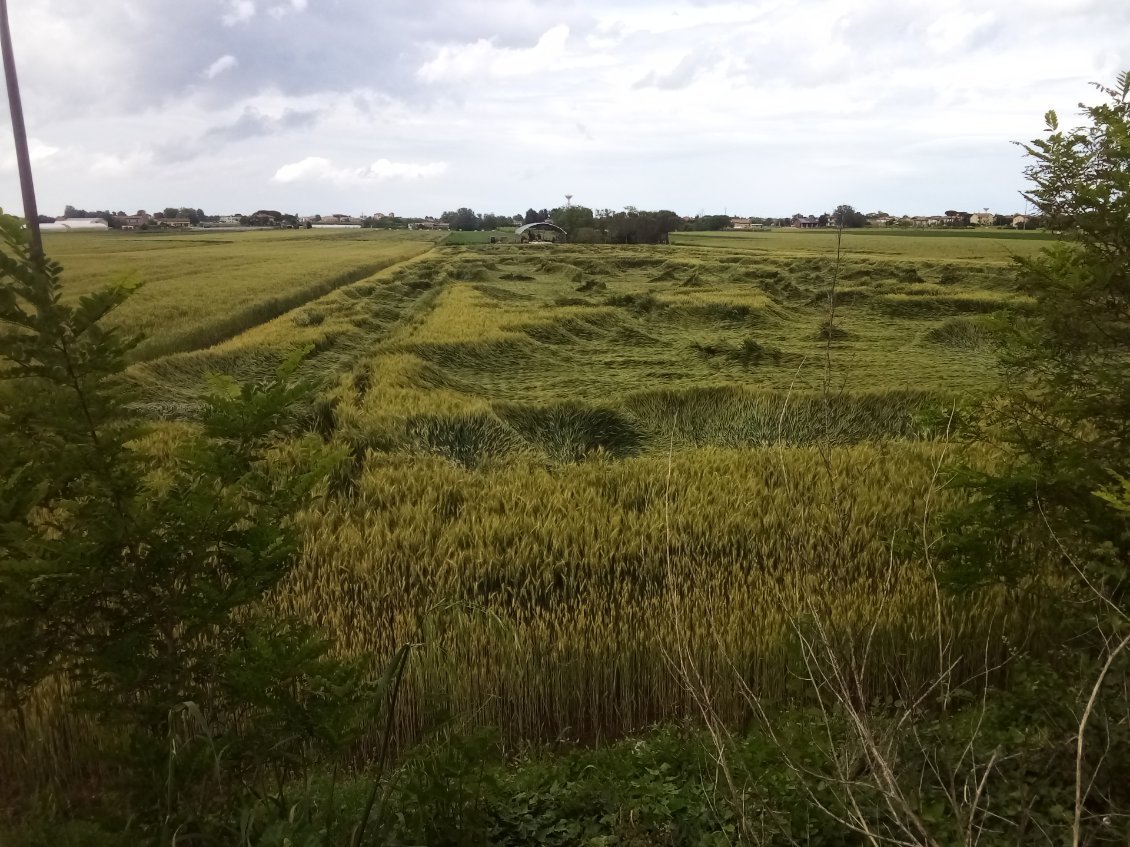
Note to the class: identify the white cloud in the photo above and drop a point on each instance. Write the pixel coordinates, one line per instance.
(224, 63)
(483, 58)
(37, 151)
(319, 169)
(119, 165)
(954, 31)
(765, 107)
(384, 169)
(291, 7)
(239, 11)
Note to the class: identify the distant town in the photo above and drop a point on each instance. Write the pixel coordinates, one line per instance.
(465, 219)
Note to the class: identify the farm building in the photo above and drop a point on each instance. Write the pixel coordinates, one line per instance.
(138, 221)
(539, 231)
(76, 225)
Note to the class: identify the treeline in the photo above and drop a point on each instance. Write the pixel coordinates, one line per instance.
(630, 226)
(466, 219)
(196, 217)
(584, 225)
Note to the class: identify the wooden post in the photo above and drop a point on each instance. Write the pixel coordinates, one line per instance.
(23, 158)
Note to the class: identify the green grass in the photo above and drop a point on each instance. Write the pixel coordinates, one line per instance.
(459, 237)
(980, 246)
(201, 289)
(568, 461)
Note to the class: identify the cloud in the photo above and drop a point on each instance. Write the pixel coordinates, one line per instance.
(239, 11)
(252, 122)
(958, 31)
(697, 105)
(224, 63)
(119, 165)
(483, 58)
(293, 7)
(37, 151)
(316, 168)
(693, 65)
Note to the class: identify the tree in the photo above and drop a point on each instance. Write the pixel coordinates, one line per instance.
(531, 217)
(142, 580)
(706, 223)
(636, 227)
(1064, 416)
(848, 217)
(1055, 502)
(462, 218)
(466, 219)
(572, 219)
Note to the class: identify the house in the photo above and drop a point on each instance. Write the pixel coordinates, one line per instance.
(138, 221)
(229, 220)
(741, 223)
(982, 218)
(805, 222)
(1019, 221)
(178, 223)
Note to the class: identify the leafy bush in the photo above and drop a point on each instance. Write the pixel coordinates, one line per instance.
(139, 579)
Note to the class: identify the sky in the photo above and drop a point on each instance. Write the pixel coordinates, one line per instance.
(760, 107)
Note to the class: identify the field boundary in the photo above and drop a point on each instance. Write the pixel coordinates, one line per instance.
(249, 317)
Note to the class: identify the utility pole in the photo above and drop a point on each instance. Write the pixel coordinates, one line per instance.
(23, 159)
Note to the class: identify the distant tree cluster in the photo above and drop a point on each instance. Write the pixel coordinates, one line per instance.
(574, 220)
(269, 217)
(847, 217)
(385, 222)
(467, 220)
(630, 226)
(707, 223)
(633, 226)
(72, 213)
(194, 216)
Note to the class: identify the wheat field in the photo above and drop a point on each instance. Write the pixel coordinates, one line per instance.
(574, 466)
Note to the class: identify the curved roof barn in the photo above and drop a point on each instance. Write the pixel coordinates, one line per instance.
(541, 226)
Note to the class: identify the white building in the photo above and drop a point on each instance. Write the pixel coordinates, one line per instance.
(76, 225)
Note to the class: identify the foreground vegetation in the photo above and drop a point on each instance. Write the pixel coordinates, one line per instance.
(370, 570)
